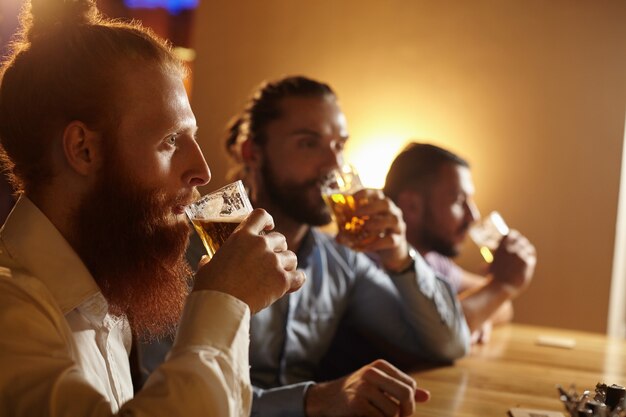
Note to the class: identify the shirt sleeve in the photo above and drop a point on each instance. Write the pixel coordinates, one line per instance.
(206, 373)
(285, 401)
(445, 269)
(416, 313)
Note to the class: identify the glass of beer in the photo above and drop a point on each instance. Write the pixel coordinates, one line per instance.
(487, 234)
(216, 215)
(338, 192)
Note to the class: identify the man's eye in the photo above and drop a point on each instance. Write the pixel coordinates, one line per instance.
(308, 143)
(171, 140)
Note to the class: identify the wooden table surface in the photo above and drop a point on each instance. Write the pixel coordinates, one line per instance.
(513, 370)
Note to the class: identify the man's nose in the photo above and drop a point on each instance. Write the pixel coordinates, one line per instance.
(472, 214)
(199, 172)
(333, 158)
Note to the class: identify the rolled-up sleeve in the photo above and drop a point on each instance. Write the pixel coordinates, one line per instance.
(415, 311)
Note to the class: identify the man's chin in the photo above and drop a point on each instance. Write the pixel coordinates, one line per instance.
(176, 219)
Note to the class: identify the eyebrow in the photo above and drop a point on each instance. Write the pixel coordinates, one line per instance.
(305, 131)
(182, 128)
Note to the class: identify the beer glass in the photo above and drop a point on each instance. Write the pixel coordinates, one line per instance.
(216, 215)
(338, 192)
(487, 234)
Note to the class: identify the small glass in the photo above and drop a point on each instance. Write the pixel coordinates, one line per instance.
(487, 234)
(338, 192)
(216, 215)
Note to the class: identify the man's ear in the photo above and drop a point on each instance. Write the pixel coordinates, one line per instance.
(412, 205)
(251, 154)
(81, 147)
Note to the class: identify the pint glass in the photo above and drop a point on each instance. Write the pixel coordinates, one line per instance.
(487, 234)
(338, 192)
(216, 215)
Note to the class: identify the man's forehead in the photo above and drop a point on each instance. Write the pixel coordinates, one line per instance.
(312, 112)
(454, 177)
(157, 99)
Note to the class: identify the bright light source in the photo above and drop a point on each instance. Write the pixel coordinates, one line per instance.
(373, 156)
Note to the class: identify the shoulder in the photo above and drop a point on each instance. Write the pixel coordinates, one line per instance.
(22, 292)
(337, 251)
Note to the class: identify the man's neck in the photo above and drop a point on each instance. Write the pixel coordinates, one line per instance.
(417, 245)
(293, 230)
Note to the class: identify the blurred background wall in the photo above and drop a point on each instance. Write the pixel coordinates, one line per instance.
(533, 93)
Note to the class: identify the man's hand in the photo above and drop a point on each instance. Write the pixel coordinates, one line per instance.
(383, 231)
(376, 390)
(514, 263)
(254, 267)
(482, 335)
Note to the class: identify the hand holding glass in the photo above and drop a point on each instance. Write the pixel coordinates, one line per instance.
(487, 234)
(216, 215)
(339, 192)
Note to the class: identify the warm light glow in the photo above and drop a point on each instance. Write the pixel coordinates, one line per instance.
(372, 157)
(487, 254)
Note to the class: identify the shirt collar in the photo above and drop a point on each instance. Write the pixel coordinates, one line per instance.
(37, 245)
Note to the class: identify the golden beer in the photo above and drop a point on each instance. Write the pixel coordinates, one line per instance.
(214, 232)
(343, 207)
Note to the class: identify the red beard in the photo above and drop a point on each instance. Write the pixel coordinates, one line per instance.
(123, 234)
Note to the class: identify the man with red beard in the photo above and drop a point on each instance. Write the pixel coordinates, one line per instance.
(99, 140)
(290, 136)
(435, 191)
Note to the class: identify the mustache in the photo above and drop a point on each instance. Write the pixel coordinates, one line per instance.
(186, 198)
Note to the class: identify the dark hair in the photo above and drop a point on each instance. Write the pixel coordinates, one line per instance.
(66, 64)
(416, 167)
(264, 107)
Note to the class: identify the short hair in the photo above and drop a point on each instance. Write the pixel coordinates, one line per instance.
(416, 167)
(66, 64)
(264, 107)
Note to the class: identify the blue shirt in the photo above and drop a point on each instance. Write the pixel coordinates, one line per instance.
(415, 311)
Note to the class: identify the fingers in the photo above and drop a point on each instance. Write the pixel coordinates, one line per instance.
(385, 223)
(258, 221)
(389, 369)
(394, 383)
(515, 242)
(384, 404)
(296, 280)
(422, 395)
(514, 263)
(276, 241)
(382, 226)
(266, 271)
(289, 262)
(203, 261)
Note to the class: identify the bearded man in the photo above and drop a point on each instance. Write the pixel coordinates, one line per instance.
(290, 136)
(434, 189)
(100, 142)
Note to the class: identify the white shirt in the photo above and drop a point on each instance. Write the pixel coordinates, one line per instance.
(62, 354)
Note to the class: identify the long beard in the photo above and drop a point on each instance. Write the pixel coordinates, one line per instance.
(135, 255)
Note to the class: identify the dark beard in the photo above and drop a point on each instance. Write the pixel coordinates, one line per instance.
(430, 239)
(436, 244)
(136, 258)
(292, 199)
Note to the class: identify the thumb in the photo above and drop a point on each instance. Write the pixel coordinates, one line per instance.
(258, 221)
(421, 395)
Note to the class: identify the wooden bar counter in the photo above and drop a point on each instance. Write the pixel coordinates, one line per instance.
(515, 370)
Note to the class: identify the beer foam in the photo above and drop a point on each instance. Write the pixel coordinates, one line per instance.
(225, 219)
